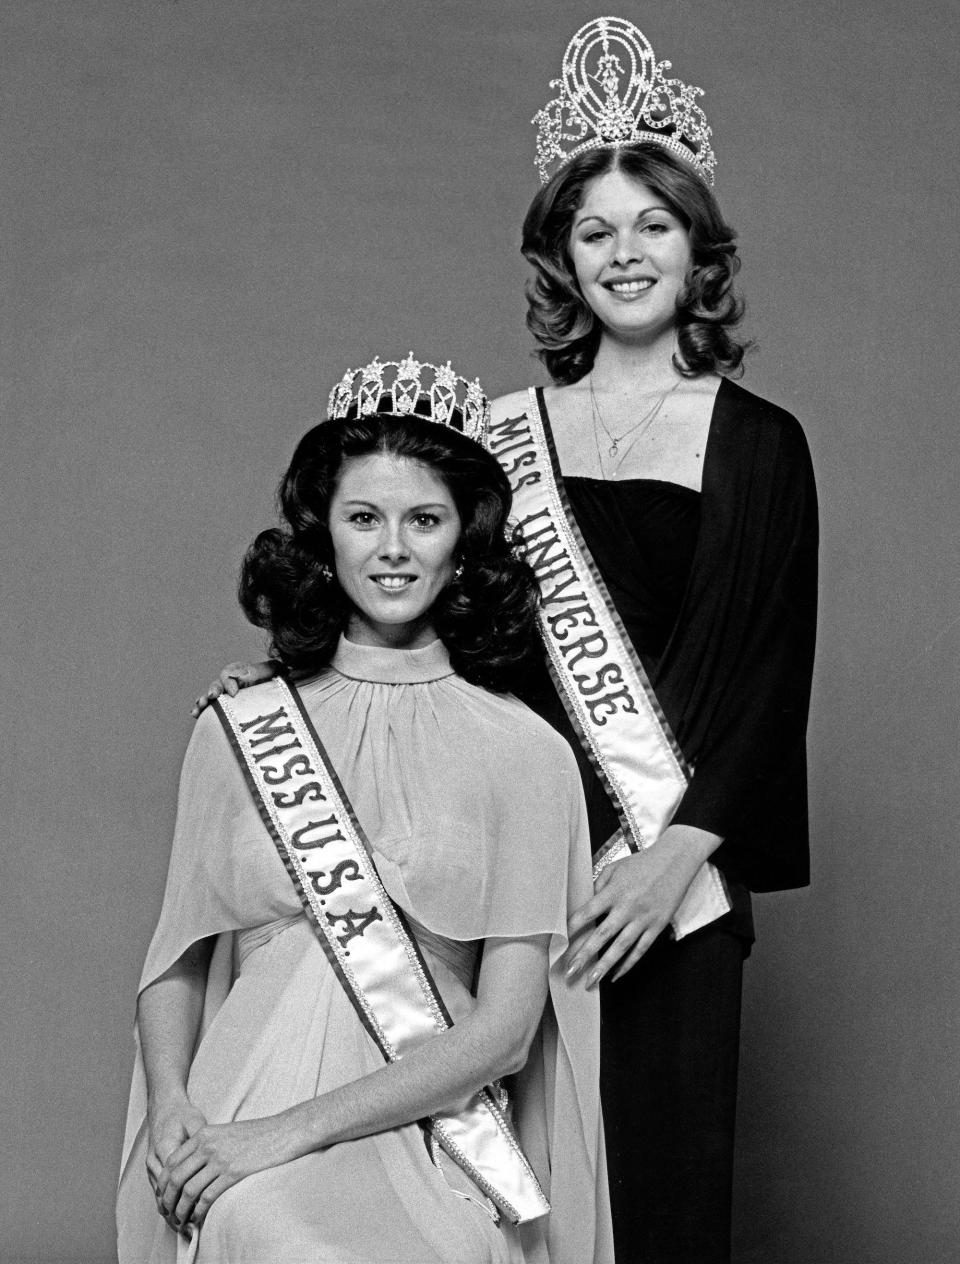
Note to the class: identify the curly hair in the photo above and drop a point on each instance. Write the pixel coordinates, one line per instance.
(487, 618)
(566, 329)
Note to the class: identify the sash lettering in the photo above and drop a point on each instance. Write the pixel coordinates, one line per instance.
(598, 676)
(363, 934)
(512, 447)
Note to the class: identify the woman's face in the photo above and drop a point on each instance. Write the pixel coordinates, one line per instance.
(631, 255)
(395, 529)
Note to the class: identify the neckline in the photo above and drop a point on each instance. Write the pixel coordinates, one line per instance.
(382, 666)
(631, 483)
(718, 403)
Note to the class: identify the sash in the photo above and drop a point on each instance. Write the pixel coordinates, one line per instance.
(363, 933)
(600, 680)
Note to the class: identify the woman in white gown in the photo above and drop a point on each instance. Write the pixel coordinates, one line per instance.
(266, 1123)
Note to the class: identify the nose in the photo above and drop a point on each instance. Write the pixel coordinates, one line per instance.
(392, 545)
(627, 248)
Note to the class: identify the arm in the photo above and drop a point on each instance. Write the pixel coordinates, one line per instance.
(441, 1074)
(168, 1017)
(750, 638)
(738, 680)
(634, 901)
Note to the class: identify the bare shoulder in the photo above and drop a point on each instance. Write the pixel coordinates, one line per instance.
(561, 402)
(566, 401)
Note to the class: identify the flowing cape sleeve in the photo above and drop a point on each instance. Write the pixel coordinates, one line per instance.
(221, 875)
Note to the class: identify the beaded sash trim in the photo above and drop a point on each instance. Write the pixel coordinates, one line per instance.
(364, 935)
(595, 669)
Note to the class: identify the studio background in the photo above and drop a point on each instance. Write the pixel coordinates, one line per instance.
(210, 209)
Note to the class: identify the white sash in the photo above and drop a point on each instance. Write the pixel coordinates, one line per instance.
(362, 932)
(598, 675)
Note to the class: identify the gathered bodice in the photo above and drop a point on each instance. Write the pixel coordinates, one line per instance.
(642, 534)
(430, 766)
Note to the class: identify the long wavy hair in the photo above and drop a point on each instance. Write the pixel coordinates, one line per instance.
(487, 618)
(565, 328)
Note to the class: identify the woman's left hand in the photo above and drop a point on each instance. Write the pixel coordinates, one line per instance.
(214, 1158)
(634, 900)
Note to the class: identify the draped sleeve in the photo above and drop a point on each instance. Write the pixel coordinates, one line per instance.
(221, 877)
(735, 678)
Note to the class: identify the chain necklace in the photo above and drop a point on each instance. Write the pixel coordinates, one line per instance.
(641, 426)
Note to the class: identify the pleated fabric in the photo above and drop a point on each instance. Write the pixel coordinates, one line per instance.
(473, 808)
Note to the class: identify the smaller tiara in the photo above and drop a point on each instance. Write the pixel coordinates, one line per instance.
(398, 388)
(613, 92)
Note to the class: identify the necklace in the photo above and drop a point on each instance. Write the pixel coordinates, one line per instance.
(641, 426)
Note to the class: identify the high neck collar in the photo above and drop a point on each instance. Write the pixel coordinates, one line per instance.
(392, 667)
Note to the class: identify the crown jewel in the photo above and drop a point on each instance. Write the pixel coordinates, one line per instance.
(398, 387)
(613, 92)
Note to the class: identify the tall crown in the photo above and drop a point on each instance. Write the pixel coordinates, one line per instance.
(613, 92)
(397, 387)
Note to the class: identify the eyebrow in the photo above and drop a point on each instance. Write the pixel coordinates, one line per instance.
(650, 210)
(372, 504)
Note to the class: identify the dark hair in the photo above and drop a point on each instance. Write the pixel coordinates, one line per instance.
(563, 324)
(487, 618)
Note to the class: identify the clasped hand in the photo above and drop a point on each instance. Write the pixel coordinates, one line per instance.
(634, 901)
(203, 1166)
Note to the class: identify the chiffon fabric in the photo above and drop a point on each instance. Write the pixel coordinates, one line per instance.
(473, 809)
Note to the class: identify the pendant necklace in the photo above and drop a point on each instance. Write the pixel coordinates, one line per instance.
(641, 426)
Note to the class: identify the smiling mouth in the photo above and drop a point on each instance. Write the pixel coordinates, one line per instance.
(630, 287)
(393, 583)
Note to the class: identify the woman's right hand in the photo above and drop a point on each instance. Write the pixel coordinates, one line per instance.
(233, 678)
(170, 1124)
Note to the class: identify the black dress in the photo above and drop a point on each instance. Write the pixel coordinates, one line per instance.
(717, 592)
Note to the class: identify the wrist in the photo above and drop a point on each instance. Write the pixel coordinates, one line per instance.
(166, 1096)
(694, 844)
(299, 1130)
(292, 1135)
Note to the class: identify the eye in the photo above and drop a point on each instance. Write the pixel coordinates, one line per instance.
(598, 234)
(425, 521)
(361, 518)
(656, 228)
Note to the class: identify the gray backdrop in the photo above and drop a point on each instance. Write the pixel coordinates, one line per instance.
(211, 207)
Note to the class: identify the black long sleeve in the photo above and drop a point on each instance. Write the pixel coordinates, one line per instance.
(734, 680)
(718, 595)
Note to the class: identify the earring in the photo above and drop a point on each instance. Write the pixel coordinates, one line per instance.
(326, 574)
(458, 574)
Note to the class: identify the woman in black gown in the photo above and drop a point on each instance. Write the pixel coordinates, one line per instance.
(696, 503)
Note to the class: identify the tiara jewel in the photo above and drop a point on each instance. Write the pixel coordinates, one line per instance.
(613, 92)
(399, 388)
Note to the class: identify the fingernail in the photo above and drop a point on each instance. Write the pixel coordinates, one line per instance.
(592, 978)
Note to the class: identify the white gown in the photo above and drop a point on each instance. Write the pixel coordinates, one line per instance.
(473, 808)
